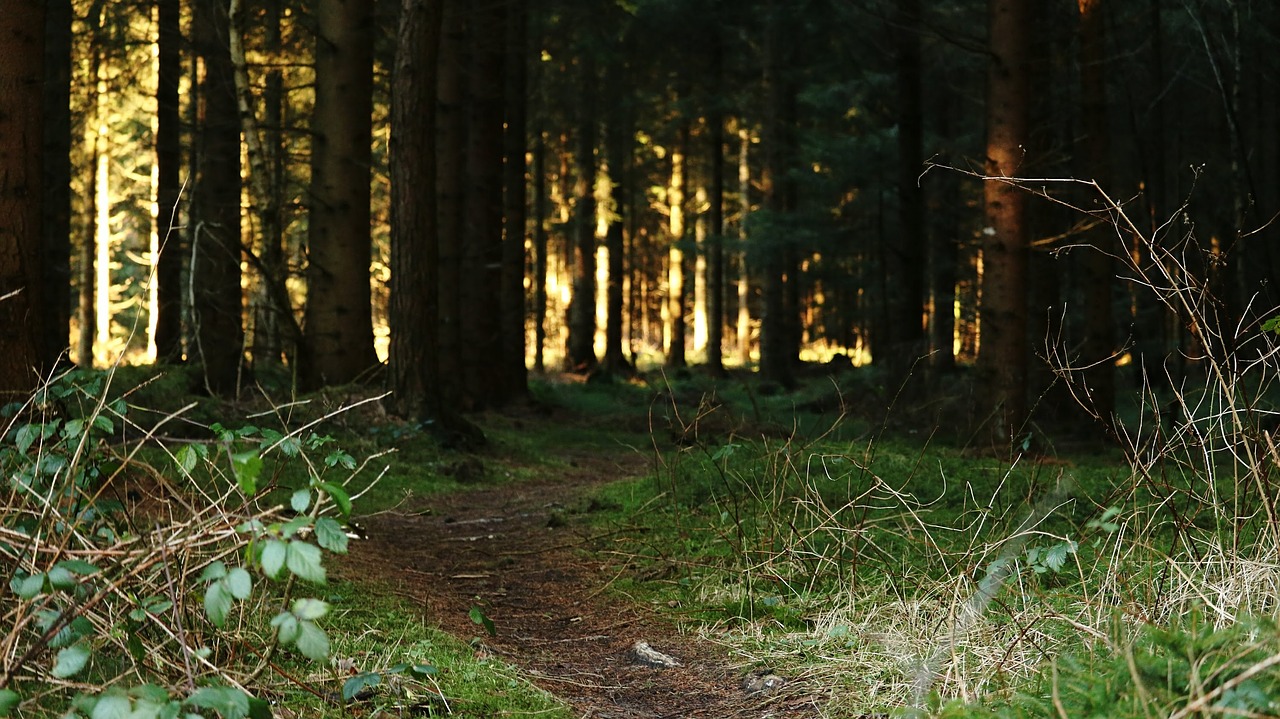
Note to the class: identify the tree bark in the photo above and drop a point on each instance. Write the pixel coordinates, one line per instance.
(1098, 264)
(906, 337)
(450, 140)
(23, 312)
(514, 371)
(618, 132)
(1003, 353)
(581, 353)
(339, 318)
(413, 367)
(169, 161)
(676, 290)
(715, 217)
(57, 180)
(215, 251)
(776, 326)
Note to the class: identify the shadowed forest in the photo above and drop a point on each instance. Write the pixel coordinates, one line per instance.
(916, 354)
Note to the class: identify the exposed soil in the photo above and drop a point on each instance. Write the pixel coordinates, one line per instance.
(535, 568)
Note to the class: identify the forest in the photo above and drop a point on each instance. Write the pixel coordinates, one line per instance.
(753, 237)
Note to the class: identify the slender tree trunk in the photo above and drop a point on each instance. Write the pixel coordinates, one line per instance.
(617, 145)
(540, 253)
(339, 318)
(23, 309)
(482, 247)
(907, 256)
(168, 194)
(1098, 264)
(414, 307)
(744, 280)
(450, 139)
(776, 328)
(1003, 357)
(215, 251)
(514, 371)
(675, 329)
(581, 353)
(715, 218)
(57, 179)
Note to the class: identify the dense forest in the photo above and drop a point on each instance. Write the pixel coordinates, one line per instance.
(444, 196)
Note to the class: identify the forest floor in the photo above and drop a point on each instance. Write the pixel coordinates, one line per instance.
(529, 556)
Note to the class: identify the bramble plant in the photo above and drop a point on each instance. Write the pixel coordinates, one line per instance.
(146, 593)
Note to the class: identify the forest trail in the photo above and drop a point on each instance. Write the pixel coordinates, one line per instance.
(535, 567)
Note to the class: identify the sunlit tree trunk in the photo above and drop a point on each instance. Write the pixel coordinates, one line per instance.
(339, 319)
(1098, 265)
(23, 312)
(413, 368)
(1003, 354)
(540, 253)
(675, 314)
(743, 282)
(215, 252)
(57, 179)
(168, 279)
(101, 196)
(581, 353)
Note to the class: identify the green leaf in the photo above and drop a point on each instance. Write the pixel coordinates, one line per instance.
(73, 429)
(61, 578)
(112, 704)
(424, 670)
(304, 561)
(312, 641)
(214, 570)
(71, 660)
(479, 617)
(186, 459)
(217, 603)
(78, 566)
(300, 500)
(8, 700)
(273, 556)
(247, 466)
(103, 424)
(239, 583)
(338, 457)
(259, 708)
(25, 437)
(287, 627)
(331, 536)
(358, 683)
(339, 497)
(28, 587)
(230, 703)
(309, 609)
(290, 447)
(1056, 556)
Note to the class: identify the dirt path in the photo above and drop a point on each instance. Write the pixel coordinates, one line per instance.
(517, 552)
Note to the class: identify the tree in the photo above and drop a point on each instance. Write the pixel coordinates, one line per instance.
(56, 174)
(215, 264)
(22, 301)
(169, 160)
(339, 318)
(511, 355)
(1003, 357)
(906, 256)
(777, 326)
(581, 352)
(413, 368)
(1098, 267)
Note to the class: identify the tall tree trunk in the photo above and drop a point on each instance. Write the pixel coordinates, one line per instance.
(744, 280)
(57, 179)
(514, 371)
(1098, 264)
(715, 217)
(906, 257)
(1003, 354)
(168, 194)
(339, 319)
(581, 353)
(540, 253)
(675, 315)
(23, 309)
(776, 326)
(413, 314)
(215, 262)
(482, 246)
(618, 132)
(450, 138)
